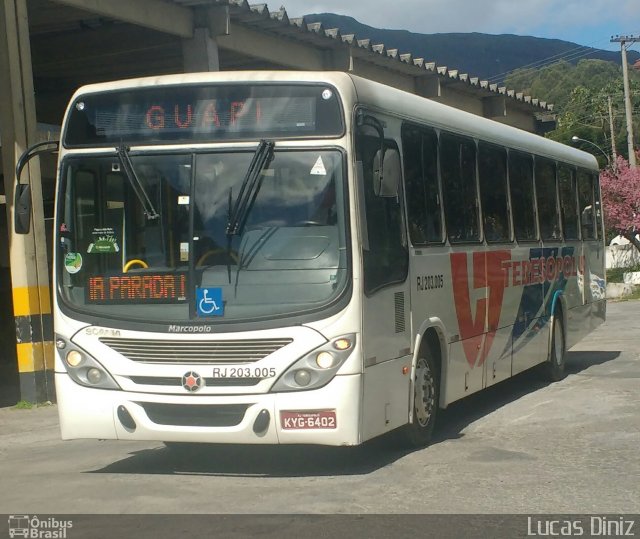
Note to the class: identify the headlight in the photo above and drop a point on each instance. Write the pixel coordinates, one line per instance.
(325, 360)
(82, 368)
(73, 358)
(318, 367)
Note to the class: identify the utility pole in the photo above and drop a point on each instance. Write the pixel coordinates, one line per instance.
(614, 155)
(623, 40)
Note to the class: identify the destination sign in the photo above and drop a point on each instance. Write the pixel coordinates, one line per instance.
(203, 113)
(135, 289)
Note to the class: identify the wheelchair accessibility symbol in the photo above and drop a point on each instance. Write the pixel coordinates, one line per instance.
(209, 301)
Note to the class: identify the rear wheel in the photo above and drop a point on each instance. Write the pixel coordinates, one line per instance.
(555, 366)
(425, 403)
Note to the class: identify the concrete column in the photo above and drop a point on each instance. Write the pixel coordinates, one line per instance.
(428, 86)
(28, 258)
(338, 59)
(494, 107)
(200, 52)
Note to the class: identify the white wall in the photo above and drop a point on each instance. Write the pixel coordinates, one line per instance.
(622, 256)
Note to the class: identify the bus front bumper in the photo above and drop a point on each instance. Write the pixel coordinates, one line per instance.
(327, 416)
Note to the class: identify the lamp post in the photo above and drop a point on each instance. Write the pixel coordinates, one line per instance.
(578, 139)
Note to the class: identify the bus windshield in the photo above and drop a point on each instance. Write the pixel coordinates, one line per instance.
(118, 261)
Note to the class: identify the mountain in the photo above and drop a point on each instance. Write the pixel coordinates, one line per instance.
(484, 55)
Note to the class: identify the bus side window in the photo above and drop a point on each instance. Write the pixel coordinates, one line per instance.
(492, 171)
(586, 203)
(387, 259)
(420, 150)
(522, 199)
(568, 201)
(458, 172)
(546, 195)
(598, 209)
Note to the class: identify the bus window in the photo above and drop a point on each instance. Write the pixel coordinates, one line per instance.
(492, 171)
(420, 149)
(522, 199)
(568, 202)
(585, 202)
(157, 241)
(85, 192)
(598, 210)
(387, 259)
(547, 199)
(458, 172)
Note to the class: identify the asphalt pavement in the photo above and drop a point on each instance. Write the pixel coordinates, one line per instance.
(524, 446)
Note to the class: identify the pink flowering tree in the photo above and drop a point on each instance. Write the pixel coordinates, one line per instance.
(621, 200)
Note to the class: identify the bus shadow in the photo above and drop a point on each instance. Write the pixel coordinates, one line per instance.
(461, 414)
(259, 460)
(307, 461)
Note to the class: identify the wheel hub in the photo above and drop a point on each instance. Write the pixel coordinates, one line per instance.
(424, 397)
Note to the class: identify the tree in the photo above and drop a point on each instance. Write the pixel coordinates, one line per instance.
(580, 96)
(621, 200)
(554, 83)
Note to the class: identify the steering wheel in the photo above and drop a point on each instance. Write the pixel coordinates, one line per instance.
(215, 252)
(134, 262)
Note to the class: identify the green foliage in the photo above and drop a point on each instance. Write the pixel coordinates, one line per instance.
(556, 82)
(24, 405)
(580, 96)
(634, 295)
(616, 275)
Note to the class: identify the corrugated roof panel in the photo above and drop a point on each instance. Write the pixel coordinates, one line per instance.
(278, 22)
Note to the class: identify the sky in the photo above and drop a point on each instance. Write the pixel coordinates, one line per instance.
(586, 22)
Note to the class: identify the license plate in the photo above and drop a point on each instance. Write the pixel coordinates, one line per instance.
(243, 372)
(313, 419)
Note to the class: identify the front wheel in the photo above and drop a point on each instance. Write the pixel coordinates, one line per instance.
(555, 366)
(425, 403)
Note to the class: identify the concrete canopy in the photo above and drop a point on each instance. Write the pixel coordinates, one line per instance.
(48, 48)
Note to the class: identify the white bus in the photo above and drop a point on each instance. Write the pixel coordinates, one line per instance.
(289, 257)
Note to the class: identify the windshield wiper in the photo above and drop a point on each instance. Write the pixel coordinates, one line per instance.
(136, 184)
(249, 188)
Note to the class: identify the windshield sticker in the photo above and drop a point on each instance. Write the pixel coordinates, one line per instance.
(104, 241)
(184, 251)
(209, 301)
(183, 200)
(318, 169)
(73, 262)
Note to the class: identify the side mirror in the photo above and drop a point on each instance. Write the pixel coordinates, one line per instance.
(22, 208)
(386, 184)
(22, 199)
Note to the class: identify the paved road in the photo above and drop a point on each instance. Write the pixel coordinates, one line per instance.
(521, 447)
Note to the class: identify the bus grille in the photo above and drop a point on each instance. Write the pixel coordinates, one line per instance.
(172, 351)
(175, 381)
(196, 415)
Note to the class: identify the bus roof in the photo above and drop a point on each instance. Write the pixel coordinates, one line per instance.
(379, 97)
(438, 115)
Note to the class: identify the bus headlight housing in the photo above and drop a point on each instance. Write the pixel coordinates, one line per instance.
(84, 369)
(318, 367)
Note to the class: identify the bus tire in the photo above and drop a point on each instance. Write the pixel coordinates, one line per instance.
(426, 396)
(555, 365)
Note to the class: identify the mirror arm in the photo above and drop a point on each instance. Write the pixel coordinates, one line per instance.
(22, 194)
(50, 146)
